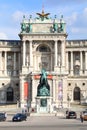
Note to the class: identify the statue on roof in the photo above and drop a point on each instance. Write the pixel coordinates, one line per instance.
(43, 15)
(55, 25)
(23, 27)
(62, 24)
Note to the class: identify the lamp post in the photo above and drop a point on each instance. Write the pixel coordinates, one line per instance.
(68, 98)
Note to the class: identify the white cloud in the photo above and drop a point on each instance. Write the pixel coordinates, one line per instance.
(72, 19)
(85, 14)
(3, 35)
(17, 16)
(75, 30)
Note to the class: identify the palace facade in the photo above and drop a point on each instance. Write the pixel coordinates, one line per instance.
(43, 44)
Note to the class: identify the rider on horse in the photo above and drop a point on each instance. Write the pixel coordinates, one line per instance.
(43, 77)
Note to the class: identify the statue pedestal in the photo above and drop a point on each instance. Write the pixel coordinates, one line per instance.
(44, 104)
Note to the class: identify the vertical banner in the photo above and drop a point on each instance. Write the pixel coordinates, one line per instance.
(26, 90)
(60, 90)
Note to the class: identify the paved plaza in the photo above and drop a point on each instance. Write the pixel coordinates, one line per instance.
(43, 123)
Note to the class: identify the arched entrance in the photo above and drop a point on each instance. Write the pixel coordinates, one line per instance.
(76, 94)
(9, 94)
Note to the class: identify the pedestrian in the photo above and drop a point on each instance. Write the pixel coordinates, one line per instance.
(81, 119)
(5, 115)
(67, 111)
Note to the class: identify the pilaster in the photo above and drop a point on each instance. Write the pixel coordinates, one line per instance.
(81, 66)
(24, 53)
(86, 62)
(55, 53)
(5, 63)
(14, 64)
(71, 63)
(63, 53)
(67, 62)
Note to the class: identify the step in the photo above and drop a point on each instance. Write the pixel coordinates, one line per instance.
(42, 114)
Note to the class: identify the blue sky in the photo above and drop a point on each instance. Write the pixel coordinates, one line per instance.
(74, 12)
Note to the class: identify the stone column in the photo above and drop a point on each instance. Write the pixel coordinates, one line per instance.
(33, 91)
(14, 64)
(71, 63)
(56, 53)
(67, 62)
(86, 62)
(51, 62)
(63, 53)
(24, 52)
(5, 63)
(81, 62)
(54, 86)
(35, 61)
(22, 92)
(31, 56)
(19, 62)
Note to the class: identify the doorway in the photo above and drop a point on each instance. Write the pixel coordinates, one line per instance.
(76, 94)
(9, 94)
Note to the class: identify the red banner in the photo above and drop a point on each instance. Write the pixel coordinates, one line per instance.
(25, 90)
(49, 76)
(38, 76)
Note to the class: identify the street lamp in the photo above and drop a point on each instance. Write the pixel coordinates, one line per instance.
(68, 98)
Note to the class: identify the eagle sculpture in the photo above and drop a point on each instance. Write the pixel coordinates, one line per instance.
(43, 15)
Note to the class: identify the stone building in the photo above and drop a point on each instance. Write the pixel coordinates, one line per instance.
(43, 45)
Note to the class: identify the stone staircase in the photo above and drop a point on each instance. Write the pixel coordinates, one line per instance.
(42, 114)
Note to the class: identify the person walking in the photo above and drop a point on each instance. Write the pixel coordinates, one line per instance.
(5, 115)
(81, 118)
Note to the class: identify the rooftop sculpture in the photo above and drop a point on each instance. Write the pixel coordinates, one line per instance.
(43, 15)
(43, 24)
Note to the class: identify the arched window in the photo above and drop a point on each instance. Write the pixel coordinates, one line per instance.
(76, 94)
(9, 94)
(43, 49)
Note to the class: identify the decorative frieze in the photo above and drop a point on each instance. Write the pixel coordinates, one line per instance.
(42, 37)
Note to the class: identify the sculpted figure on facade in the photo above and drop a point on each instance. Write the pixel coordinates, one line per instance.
(55, 27)
(29, 28)
(62, 25)
(23, 27)
(43, 79)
